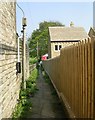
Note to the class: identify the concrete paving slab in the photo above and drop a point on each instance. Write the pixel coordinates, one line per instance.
(45, 105)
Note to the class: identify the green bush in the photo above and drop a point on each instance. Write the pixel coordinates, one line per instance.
(32, 60)
(31, 83)
(24, 102)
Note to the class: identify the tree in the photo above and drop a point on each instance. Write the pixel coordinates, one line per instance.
(42, 36)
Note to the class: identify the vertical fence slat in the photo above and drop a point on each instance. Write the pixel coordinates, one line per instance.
(81, 94)
(93, 78)
(89, 79)
(85, 87)
(83, 76)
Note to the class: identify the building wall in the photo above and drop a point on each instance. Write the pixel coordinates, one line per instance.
(9, 80)
(54, 52)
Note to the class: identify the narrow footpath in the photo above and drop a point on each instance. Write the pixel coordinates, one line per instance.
(44, 103)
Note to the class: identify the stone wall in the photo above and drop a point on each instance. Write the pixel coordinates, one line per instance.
(54, 52)
(9, 80)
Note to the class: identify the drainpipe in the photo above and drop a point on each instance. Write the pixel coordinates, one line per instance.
(24, 52)
(23, 46)
(18, 64)
(18, 50)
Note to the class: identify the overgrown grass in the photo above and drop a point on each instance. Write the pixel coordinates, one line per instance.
(32, 60)
(24, 103)
(47, 80)
(46, 77)
(31, 83)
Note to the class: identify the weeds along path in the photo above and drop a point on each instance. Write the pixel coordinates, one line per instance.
(45, 102)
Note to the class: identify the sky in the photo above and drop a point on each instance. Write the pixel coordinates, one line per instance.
(80, 13)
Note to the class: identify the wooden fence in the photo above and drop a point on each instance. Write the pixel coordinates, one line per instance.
(72, 74)
(32, 67)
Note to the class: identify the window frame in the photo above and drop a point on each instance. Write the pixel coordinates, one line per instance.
(55, 48)
(60, 47)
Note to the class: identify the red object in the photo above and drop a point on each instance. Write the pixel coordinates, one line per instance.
(44, 57)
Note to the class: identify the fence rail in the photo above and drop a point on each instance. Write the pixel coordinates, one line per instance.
(32, 67)
(72, 74)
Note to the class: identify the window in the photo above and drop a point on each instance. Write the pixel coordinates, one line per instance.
(60, 46)
(56, 47)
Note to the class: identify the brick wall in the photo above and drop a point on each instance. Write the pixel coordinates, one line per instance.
(9, 81)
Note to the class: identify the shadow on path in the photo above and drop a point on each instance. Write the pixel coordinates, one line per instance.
(44, 104)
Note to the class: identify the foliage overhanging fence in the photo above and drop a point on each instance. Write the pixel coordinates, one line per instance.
(72, 74)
